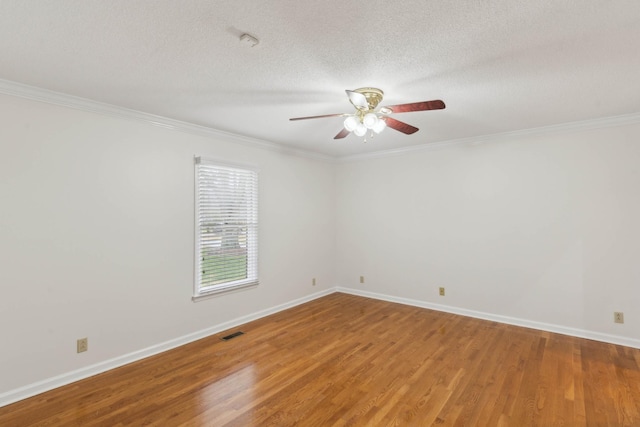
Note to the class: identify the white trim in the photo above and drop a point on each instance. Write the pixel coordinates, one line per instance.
(57, 98)
(604, 122)
(223, 290)
(43, 95)
(579, 333)
(89, 371)
(245, 206)
(197, 159)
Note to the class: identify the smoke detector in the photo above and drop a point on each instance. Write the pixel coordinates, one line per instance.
(249, 40)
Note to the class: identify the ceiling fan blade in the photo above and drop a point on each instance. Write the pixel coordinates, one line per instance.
(400, 126)
(358, 100)
(343, 133)
(320, 117)
(416, 106)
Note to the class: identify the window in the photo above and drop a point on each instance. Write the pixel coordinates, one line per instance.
(226, 228)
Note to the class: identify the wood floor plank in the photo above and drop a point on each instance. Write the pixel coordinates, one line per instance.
(344, 360)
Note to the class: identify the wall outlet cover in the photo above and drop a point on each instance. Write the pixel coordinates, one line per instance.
(82, 345)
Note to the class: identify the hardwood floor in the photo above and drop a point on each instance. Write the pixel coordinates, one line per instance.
(347, 360)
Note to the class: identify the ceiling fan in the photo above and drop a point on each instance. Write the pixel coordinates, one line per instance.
(366, 117)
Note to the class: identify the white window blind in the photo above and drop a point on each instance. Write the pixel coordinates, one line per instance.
(226, 227)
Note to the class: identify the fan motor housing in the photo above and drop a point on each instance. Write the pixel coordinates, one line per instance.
(372, 94)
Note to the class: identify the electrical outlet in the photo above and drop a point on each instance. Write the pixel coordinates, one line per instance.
(441, 292)
(618, 317)
(83, 345)
(361, 279)
(313, 281)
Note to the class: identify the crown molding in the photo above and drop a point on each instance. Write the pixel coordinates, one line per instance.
(52, 97)
(583, 125)
(12, 88)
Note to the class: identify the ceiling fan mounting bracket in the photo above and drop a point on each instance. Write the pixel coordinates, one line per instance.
(373, 96)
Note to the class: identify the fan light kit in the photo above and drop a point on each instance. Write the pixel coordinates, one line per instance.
(365, 118)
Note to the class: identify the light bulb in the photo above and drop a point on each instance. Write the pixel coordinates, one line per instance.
(370, 120)
(379, 126)
(360, 130)
(350, 123)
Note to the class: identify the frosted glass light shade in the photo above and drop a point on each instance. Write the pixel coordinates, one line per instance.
(379, 126)
(369, 120)
(351, 123)
(360, 130)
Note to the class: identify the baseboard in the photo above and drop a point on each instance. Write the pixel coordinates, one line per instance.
(89, 371)
(579, 333)
(98, 368)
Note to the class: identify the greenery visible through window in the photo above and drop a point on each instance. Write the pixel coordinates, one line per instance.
(226, 227)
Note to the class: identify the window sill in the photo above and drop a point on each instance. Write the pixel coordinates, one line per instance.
(222, 290)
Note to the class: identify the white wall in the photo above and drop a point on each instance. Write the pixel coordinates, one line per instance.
(96, 237)
(544, 230)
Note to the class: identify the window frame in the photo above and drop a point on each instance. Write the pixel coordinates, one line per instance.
(251, 205)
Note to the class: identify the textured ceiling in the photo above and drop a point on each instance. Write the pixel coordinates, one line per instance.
(499, 65)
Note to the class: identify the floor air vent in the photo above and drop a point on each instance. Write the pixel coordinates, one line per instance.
(233, 335)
